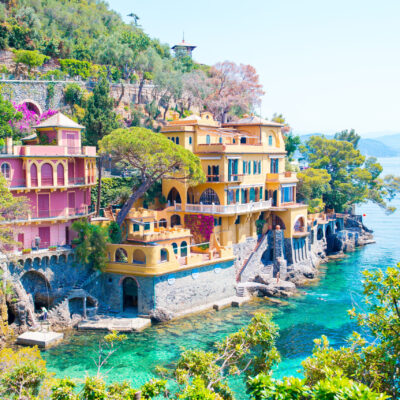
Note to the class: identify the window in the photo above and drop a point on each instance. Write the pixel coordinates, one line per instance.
(249, 167)
(237, 221)
(208, 139)
(254, 167)
(209, 197)
(136, 227)
(259, 167)
(218, 221)
(261, 192)
(190, 140)
(237, 195)
(6, 170)
(173, 139)
(177, 140)
(163, 255)
(270, 140)
(244, 167)
(175, 247)
(147, 226)
(287, 194)
(274, 165)
(243, 140)
(220, 139)
(230, 197)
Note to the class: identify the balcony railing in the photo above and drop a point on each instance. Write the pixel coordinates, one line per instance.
(222, 178)
(76, 181)
(48, 182)
(66, 212)
(225, 209)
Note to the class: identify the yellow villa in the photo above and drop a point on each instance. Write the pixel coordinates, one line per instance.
(246, 180)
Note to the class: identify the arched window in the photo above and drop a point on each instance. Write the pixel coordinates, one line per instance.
(270, 140)
(175, 247)
(139, 257)
(208, 139)
(177, 140)
(173, 139)
(184, 249)
(47, 175)
(162, 223)
(164, 255)
(34, 177)
(60, 175)
(175, 220)
(6, 170)
(121, 256)
(209, 197)
(220, 139)
(190, 140)
(173, 195)
(299, 225)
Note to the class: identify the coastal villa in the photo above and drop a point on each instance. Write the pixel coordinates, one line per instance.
(164, 263)
(55, 177)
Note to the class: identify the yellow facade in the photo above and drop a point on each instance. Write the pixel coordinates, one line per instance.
(244, 164)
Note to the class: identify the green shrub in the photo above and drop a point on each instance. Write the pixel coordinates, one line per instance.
(114, 232)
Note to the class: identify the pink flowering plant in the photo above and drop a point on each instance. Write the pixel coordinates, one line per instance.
(23, 126)
(201, 226)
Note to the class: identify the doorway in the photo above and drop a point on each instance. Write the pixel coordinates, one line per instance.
(130, 295)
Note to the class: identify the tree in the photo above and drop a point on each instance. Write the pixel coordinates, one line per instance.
(146, 63)
(153, 157)
(100, 118)
(313, 184)
(292, 143)
(7, 113)
(11, 208)
(29, 58)
(73, 94)
(248, 351)
(354, 179)
(349, 136)
(91, 244)
(373, 359)
(234, 86)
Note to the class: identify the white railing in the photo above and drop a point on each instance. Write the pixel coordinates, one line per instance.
(225, 209)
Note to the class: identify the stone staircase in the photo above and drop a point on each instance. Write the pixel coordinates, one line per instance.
(253, 264)
(77, 289)
(241, 291)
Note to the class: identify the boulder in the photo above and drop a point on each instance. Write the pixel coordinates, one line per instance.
(161, 315)
(274, 288)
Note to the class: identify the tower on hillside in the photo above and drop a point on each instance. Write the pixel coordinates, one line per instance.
(183, 48)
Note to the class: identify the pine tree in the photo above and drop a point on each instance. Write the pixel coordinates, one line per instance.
(100, 118)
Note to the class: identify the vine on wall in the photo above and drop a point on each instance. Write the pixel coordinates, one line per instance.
(201, 227)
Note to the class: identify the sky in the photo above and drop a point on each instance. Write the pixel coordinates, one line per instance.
(325, 65)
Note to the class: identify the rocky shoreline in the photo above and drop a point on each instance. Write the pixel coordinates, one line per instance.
(268, 283)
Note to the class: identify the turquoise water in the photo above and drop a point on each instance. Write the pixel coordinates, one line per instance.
(300, 320)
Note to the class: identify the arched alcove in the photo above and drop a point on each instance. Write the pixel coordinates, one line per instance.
(209, 197)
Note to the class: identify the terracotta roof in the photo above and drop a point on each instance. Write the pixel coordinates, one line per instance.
(183, 44)
(253, 120)
(59, 120)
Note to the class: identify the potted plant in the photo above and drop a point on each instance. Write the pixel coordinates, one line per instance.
(26, 251)
(52, 248)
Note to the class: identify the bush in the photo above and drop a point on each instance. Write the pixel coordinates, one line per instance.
(114, 233)
(55, 74)
(76, 68)
(73, 94)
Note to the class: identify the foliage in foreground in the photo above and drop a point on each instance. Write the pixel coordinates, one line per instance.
(363, 370)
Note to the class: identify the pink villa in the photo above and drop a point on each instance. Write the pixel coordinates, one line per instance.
(56, 178)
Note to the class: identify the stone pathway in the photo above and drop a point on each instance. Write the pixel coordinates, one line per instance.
(107, 323)
(40, 339)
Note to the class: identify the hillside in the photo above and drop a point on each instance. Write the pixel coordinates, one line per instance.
(384, 147)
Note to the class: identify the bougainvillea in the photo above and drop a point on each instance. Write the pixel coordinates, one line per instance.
(29, 118)
(201, 226)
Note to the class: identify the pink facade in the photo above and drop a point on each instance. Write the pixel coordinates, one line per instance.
(57, 181)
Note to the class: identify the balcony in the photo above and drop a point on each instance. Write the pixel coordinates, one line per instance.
(225, 209)
(283, 177)
(229, 148)
(48, 183)
(222, 178)
(59, 214)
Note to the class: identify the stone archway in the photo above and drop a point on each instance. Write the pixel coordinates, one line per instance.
(32, 105)
(36, 284)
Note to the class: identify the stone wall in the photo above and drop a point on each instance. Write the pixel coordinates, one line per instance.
(37, 92)
(178, 292)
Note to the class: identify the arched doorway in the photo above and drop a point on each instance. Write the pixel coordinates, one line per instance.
(130, 294)
(60, 175)
(209, 197)
(175, 220)
(320, 233)
(34, 175)
(174, 196)
(162, 223)
(32, 106)
(47, 175)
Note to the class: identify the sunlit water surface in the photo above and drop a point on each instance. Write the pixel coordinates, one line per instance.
(300, 321)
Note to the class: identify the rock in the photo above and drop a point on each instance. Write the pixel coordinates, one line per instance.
(161, 315)
(274, 288)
